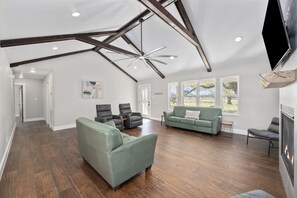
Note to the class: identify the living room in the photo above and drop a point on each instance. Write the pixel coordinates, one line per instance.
(63, 103)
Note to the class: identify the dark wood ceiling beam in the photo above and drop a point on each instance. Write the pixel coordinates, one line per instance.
(105, 46)
(133, 23)
(15, 64)
(160, 11)
(46, 39)
(114, 64)
(183, 13)
(148, 61)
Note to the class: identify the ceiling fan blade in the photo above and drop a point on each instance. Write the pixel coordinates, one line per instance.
(165, 56)
(145, 63)
(155, 50)
(155, 60)
(123, 59)
(132, 62)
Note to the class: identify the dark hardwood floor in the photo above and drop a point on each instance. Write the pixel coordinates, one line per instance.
(43, 163)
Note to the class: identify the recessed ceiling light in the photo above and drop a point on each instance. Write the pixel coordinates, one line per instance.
(55, 48)
(135, 67)
(75, 14)
(238, 39)
(171, 57)
(21, 75)
(32, 70)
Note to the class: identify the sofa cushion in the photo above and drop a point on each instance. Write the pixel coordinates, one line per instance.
(192, 114)
(187, 120)
(174, 118)
(203, 123)
(128, 139)
(180, 111)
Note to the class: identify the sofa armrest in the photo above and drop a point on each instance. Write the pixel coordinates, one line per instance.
(216, 124)
(167, 114)
(134, 154)
(102, 120)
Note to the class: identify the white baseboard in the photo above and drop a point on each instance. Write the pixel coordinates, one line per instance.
(5, 156)
(157, 119)
(33, 119)
(57, 128)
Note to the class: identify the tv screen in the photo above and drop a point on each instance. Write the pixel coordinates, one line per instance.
(275, 35)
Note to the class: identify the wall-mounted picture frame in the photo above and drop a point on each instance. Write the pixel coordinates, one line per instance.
(92, 89)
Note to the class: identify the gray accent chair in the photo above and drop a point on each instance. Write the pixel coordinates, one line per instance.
(271, 134)
(132, 119)
(116, 156)
(104, 114)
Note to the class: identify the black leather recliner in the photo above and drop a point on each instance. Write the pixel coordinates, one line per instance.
(104, 114)
(132, 119)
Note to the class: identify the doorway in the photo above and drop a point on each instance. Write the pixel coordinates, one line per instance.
(20, 104)
(144, 100)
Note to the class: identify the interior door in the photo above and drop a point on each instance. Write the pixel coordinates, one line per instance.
(144, 100)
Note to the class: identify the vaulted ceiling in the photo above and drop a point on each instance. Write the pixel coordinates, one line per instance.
(216, 23)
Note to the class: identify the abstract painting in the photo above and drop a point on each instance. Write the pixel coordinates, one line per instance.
(92, 90)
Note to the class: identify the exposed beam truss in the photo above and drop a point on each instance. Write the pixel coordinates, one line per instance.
(148, 61)
(15, 64)
(160, 11)
(46, 39)
(116, 65)
(183, 13)
(133, 23)
(97, 43)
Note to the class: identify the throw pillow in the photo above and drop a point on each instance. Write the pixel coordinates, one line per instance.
(192, 114)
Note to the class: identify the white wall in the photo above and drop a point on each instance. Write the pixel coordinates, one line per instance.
(68, 74)
(257, 106)
(34, 99)
(7, 112)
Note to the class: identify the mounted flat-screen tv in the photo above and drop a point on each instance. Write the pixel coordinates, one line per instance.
(275, 35)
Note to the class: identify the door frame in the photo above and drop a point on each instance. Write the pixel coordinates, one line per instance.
(149, 97)
(23, 86)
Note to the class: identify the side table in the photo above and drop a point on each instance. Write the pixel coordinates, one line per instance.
(228, 124)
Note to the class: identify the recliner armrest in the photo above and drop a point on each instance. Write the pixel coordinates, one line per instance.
(102, 120)
(117, 117)
(136, 114)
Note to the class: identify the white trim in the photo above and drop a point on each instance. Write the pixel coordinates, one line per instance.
(33, 119)
(17, 115)
(149, 98)
(24, 99)
(222, 95)
(68, 126)
(5, 156)
(156, 119)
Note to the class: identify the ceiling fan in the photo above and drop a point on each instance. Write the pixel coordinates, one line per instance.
(144, 57)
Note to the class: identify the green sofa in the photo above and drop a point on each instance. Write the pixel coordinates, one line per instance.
(209, 120)
(114, 155)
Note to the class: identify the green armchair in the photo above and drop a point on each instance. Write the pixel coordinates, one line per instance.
(114, 155)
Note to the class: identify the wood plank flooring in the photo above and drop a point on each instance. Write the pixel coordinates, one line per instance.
(43, 163)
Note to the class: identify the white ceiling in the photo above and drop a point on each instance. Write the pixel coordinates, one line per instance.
(216, 22)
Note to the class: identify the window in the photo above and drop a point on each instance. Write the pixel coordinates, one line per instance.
(189, 93)
(230, 94)
(173, 96)
(207, 90)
